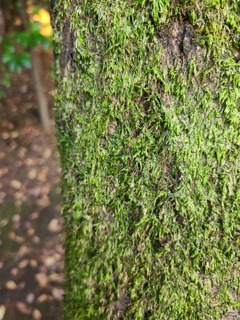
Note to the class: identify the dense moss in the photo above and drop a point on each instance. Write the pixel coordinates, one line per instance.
(147, 112)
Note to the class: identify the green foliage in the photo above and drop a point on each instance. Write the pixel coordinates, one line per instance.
(148, 128)
(15, 48)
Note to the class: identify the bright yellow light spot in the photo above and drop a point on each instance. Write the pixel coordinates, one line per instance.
(44, 18)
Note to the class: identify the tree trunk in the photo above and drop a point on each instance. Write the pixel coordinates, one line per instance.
(148, 130)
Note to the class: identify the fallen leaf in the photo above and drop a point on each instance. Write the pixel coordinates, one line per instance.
(12, 235)
(34, 216)
(32, 173)
(19, 195)
(58, 293)
(23, 308)
(49, 261)
(54, 225)
(30, 297)
(2, 312)
(11, 285)
(43, 202)
(22, 153)
(16, 184)
(42, 298)
(42, 175)
(41, 279)
(3, 171)
(56, 277)
(30, 232)
(3, 222)
(28, 161)
(16, 218)
(14, 134)
(23, 250)
(33, 263)
(35, 191)
(14, 271)
(5, 135)
(36, 314)
(2, 155)
(36, 239)
(23, 264)
(2, 196)
(47, 153)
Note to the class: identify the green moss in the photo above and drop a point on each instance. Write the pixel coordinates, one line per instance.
(148, 129)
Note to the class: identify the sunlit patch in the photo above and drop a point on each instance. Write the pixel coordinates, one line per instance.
(44, 18)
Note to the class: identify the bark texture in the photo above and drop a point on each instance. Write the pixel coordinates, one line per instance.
(148, 129)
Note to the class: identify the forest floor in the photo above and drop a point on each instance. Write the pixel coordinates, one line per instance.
(31, 228)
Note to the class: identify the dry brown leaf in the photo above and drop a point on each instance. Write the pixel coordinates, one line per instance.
(3, 222)
(32, 173)
(36, 314)
(2, 312)
(42, 279)
(11, 285)
(2, 196)
(16, 184)
(5, 135)
(19, 195)
(42, 298)
(14, 271)
(23, 250)
(14, 134)
(34, 216)
(16, 218)
(30, 232)
(54, 225)
(30, 298)
(56, 277)
(22, 153)
(49, 261)
(42, 175)
(12, 235)
(58, 293)
(43, 202)
(33, 263)
(2, 155)
(23, 264)
(3, 171)
(36, 239)
(29, 161)
(23, 308)
(47, 153)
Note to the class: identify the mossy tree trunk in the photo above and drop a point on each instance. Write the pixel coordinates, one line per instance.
(147, 113)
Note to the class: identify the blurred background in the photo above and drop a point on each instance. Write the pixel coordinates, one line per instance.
(31, 228)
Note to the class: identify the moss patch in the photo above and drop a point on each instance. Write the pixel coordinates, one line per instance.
(148, 130)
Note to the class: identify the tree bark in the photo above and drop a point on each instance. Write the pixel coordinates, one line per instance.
(147, 112)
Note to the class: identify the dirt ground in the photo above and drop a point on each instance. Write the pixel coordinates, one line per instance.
(31, 228)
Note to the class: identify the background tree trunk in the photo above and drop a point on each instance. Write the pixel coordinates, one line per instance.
(148, 130)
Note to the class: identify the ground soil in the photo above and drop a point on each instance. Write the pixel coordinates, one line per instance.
(31, 228)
